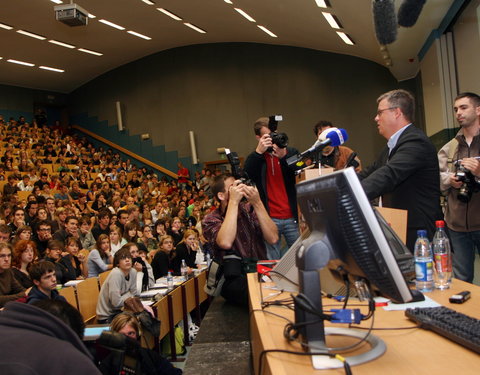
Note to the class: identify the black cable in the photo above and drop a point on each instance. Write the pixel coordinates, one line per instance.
(347, 294)
(284, 277)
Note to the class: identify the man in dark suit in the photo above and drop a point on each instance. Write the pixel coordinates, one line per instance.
(405, 175)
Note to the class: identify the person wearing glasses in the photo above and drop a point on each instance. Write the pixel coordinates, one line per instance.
(405, 175)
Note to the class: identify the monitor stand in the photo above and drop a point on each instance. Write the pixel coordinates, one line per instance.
(310, 259)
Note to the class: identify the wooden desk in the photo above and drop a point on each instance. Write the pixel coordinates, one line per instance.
(411, 351)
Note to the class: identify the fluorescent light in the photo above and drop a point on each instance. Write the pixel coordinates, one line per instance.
(170, 14)
(331, 20)
(57, 1)
(193, 27)
(90, 15)
(263, 28)
(6, 27)
(90, 52)
(31, 35)
(148, 2)
(228, 1)
(321, 3)
(139, 35)
(111, 24)
(61, 43)
(20, 62)
(244, 14)
(52, 69)
(345, 38)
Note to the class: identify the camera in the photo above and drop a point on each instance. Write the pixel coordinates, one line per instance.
(237, 171)
(279, 139)
(469, 184)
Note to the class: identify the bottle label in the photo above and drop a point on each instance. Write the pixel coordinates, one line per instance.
(424, 270)
(442, 263)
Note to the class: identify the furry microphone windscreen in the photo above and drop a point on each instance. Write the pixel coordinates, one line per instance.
(409, 12)
(385, 21)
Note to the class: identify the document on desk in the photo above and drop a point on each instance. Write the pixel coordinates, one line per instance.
(73, 282)
(153, 292)
(403, 306)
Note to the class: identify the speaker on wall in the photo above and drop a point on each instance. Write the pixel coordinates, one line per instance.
(118, 107)
(193, 147)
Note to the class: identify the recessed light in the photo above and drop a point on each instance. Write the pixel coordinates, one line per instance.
(228, 1)
(111, 24)
(321, 3)
(57, 1)
(6, 27)
(345, 38)
(170, 14)
(90, 52)
(66, 45)
(148, 2)
(244, 14)
(90, 15)
(139, 35)
(52, 69)
(193, 27)
(20, 62)
(31, 35)
(263, 28)
(331, 20)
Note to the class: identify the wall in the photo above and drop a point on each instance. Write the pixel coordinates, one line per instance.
(219, 90)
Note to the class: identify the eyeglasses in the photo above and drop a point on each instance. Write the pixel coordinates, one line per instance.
(380, 111)
(44, 229)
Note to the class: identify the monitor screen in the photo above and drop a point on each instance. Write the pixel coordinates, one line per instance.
(340, 216)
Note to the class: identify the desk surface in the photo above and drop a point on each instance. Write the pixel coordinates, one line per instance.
(410, 351)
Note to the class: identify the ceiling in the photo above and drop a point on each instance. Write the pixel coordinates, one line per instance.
(295, 22)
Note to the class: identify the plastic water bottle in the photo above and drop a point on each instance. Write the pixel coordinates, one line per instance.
(423, 262)
(209, 259)
(169, 280)
(184, 270)
(442, 257)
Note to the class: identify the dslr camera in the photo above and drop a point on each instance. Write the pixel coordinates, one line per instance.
(279, 139)
(469, 183)
(237, 171)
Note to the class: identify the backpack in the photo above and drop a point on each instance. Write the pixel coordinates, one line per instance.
(216, 276)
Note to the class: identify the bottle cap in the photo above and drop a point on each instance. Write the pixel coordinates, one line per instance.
(421, 233)
(440, 224)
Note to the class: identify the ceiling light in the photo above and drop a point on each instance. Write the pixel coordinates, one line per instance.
(111, 24)
(139, 35)
(245, 14)
(170, 14)
(90, 52)
(61, 43)
(345, 38)
(331, 20)
(194, 27)
(52, 69)
(57, 1)
(90, 15)
(148, 2)
(321, 3)
(31, 35)
(20, 62)
(6, 27)
(228, 1)
(263, 28)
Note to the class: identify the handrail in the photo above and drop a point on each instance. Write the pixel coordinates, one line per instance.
(125, 151)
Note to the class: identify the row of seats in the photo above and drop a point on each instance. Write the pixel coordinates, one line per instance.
(170, 309)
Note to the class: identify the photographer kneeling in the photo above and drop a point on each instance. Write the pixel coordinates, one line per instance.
(238, 228)
(127, 355)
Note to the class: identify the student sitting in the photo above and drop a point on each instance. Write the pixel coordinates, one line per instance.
(45, 283)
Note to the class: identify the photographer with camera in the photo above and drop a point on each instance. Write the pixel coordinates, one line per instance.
(459, 176)
(267, 167)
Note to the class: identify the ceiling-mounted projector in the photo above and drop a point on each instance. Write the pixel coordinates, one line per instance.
(71, 14)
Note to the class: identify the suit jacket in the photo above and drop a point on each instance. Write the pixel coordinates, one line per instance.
(408, 179)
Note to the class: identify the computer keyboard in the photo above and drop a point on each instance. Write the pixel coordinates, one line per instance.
(458, 327)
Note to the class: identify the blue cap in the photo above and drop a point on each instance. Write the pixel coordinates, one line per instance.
(421, 233)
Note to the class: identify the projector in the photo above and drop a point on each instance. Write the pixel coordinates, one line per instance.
(71, 14)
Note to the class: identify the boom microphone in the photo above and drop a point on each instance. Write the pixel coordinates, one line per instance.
(409, 12)
(385, 21)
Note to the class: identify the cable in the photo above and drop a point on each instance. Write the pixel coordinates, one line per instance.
(284, 277)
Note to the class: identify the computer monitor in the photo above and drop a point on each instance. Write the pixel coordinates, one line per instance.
(345, 236)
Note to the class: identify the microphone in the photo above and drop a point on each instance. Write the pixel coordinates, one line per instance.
(329, 137)
(409, 12)
(351, 162)
(385, 21)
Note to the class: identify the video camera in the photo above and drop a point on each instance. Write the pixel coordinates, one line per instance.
(237, 171)
(469, 183)
(279, 139)
(125, 351)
